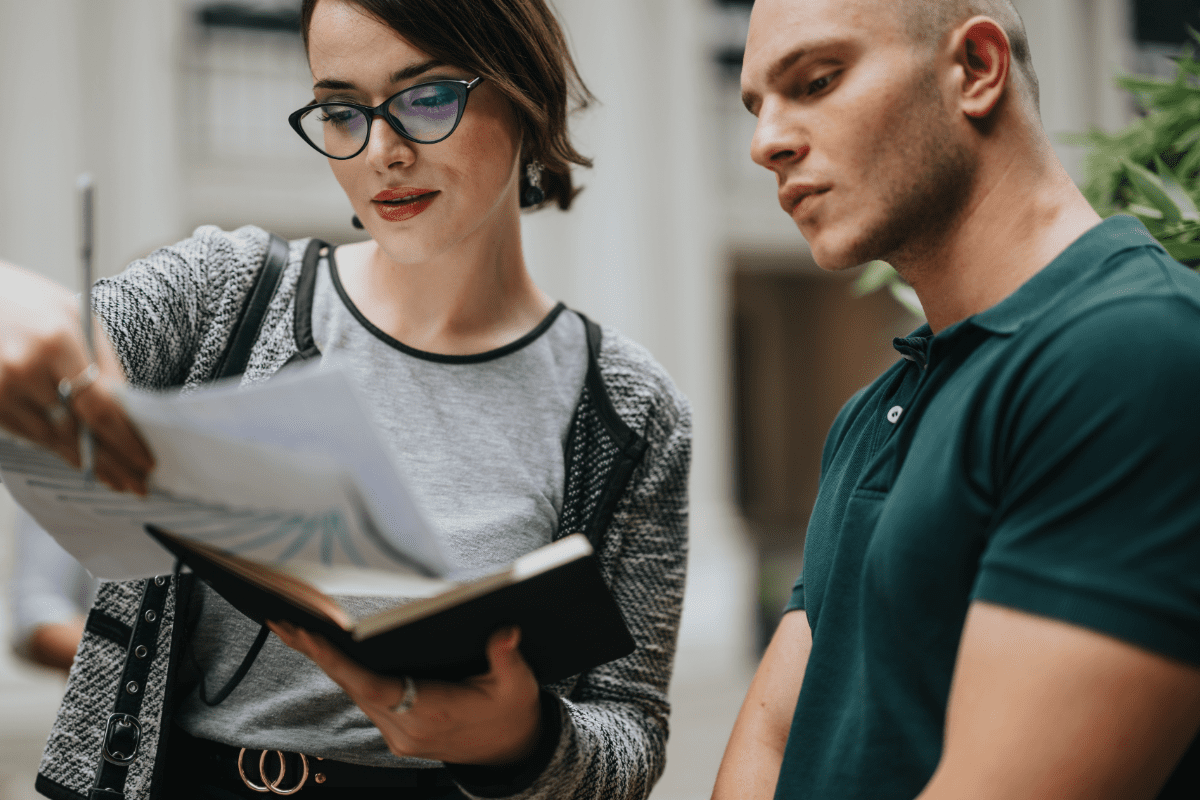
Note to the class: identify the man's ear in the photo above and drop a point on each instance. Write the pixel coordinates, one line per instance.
(982, 51)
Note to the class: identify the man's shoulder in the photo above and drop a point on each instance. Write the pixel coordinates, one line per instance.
(1141, 310)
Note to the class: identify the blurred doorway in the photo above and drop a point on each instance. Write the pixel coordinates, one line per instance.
(803, 343)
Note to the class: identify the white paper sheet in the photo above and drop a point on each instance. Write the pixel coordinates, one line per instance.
(286, 471)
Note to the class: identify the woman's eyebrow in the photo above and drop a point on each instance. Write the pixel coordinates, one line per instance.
(399, 75)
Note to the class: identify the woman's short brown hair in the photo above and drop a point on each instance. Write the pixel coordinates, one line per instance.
(517, 45)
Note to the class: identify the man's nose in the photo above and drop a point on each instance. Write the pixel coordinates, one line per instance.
(779, 139)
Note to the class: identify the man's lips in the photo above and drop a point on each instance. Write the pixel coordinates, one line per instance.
(791, 197)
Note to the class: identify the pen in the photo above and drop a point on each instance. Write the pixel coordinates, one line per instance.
(86, 189)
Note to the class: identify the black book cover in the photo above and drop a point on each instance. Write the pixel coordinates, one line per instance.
(569, 621)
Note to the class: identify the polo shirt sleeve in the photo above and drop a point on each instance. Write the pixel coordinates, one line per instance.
(1098, 478)
(796, 601)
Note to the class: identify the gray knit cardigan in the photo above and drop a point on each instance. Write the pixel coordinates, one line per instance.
(170, 317)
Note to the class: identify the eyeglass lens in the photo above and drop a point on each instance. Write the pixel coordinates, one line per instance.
(427, 113)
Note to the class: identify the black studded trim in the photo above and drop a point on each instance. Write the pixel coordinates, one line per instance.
(108, 627)
(119, 746)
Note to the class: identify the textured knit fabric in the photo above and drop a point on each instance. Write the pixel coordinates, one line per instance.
(481, 443)
(170, 317)
(1040, 455)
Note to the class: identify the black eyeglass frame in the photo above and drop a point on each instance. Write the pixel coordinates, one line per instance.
(459, 87)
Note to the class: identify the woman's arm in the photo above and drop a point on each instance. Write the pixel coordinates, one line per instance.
(615, 720)
(41, 344)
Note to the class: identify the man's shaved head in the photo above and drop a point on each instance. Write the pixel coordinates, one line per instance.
(929, 20)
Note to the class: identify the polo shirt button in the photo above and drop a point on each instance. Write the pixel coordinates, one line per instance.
(893, 416)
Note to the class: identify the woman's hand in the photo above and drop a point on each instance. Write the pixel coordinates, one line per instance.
(491, 719)
(41, 343)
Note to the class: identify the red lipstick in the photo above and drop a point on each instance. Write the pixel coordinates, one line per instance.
(397, 205)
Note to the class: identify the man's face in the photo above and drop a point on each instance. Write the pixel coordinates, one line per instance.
(856, 127)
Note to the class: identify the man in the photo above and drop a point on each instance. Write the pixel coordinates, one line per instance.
(1001, 590)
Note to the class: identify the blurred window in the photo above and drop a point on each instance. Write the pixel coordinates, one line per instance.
(244, 72)
(1165, 21)
(1161, 32)
(730, 21)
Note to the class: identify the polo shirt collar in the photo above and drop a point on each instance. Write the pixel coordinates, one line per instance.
(1089, 252)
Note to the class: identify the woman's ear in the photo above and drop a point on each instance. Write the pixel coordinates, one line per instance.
(982, 51)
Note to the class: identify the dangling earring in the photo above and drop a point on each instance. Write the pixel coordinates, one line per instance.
(356, 222)
(533, 194)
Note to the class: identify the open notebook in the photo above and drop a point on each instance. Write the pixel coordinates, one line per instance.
(282, 495)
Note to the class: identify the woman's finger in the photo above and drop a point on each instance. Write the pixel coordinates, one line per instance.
(506, 666)
(99, 409)
(371, 691)
(35, 425)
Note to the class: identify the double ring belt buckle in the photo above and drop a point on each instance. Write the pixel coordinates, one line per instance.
(272, 786)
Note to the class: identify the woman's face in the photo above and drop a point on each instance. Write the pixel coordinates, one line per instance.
(462, 188)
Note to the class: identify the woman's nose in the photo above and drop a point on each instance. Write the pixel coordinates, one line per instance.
(386, 148)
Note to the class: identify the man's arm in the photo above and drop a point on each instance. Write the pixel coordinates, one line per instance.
(750, 767)
(1042, 709)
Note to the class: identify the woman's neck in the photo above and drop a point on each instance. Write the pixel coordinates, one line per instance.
(473, 299)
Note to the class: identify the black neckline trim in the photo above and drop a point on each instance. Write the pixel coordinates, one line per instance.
(440, 358)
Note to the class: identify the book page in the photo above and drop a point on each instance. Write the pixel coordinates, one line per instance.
(290, 475)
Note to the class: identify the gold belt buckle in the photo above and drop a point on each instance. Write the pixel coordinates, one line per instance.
(272, 786)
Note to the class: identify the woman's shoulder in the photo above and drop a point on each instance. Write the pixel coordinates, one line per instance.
(231, 251)
(636, 382)
(208, 255)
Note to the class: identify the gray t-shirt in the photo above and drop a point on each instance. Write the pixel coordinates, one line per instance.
(480, 440)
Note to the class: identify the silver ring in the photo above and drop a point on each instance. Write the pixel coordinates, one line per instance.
(69, 387)
(410, 696)
(57, 414)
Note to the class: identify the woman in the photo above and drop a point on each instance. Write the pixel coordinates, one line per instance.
(516, 421)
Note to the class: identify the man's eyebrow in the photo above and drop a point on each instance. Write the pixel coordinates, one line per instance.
(778, 68)
(399, 75)
(783, 64)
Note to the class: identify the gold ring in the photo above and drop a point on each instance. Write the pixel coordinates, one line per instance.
(274, 785)
(57, 414)
(69, 387)
(410, 697)
(242, 772)
(268, 785)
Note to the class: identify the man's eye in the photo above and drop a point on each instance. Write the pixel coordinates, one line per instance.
(820, 83)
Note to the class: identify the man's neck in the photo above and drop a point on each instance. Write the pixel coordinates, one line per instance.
(1020, 217)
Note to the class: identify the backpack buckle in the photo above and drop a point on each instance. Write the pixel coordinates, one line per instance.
(122, 736)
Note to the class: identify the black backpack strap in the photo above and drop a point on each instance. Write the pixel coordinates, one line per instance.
(306, 286)
(123, 731)
(245, 333)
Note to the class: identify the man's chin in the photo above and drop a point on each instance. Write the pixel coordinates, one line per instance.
(834, 259)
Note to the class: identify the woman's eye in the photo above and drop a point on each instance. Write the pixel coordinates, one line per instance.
(338, 115)
(436, 98)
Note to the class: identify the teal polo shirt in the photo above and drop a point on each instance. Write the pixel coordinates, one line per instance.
(1043, 455)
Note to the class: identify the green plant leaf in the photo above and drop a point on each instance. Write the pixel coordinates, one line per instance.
(1184, 143)
(1144, 211)
(1150, 186)
(907, 296)
(1188, 166)
(877, 275)
(1185, 204)
(1183, 251)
